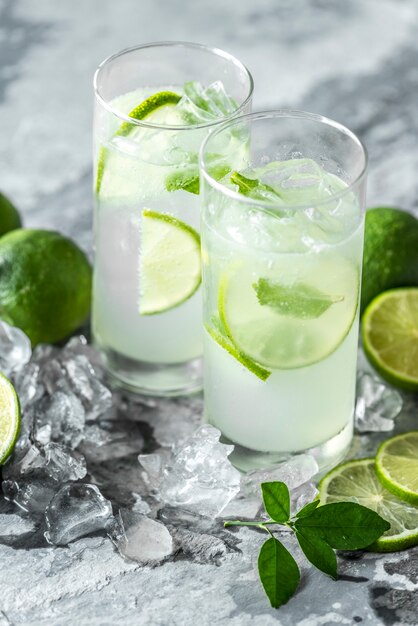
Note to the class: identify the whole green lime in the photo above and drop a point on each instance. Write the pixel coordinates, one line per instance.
(45, 284)
(390, 252)
(9, 216)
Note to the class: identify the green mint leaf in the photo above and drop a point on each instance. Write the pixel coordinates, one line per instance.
(186, 178)
(308, 509)
(318, 552)
(279, 573)
(344, 525)
(276, 500)
(253, 188)
(299, 300)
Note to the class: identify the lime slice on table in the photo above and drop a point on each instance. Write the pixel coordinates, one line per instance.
(290, 315)
(397, 466)
(9, 418)
(170, 265)
(356, 481)
(144, 110)
(390, 336)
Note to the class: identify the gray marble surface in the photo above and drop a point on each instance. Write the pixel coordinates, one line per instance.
(355, 61)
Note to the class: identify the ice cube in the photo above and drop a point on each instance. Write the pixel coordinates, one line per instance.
(31, 496)
(84, 382)
(377, 405)
(201, 105)
(43, 352)
(302, 495)
(62, 416)
(63, 464)
(80, 346)
(15, 348)
(28, 385)
(143, 539)
(198, 476)
(296, 471)
(173, 421)
(76, 510)
(109, 439)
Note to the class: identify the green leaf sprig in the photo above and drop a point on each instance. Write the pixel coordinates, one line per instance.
(319, 531)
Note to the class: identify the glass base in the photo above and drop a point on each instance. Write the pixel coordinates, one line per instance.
(327, 454)
(154, 379)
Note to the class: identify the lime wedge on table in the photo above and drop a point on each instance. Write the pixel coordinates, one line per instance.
(390, 336)
(170, 266)
(281, 324)
(9, 418)
(356, 481)
(397, 465)
(140, 112)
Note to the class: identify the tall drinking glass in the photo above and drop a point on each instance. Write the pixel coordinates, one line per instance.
(154, 104)
(282, 244)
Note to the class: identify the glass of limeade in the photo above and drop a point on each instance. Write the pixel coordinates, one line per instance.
(154, 105)
(282, 244)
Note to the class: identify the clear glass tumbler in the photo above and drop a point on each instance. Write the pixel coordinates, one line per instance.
(282, 245)
(154, 104)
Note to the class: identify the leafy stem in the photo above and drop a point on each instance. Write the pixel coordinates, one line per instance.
(319, 531)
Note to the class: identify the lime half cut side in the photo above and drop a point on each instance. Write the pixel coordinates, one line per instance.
(170, 265)
(292, 314)
(9, 418)
(397, 465)
(390, 336)
(357, 481)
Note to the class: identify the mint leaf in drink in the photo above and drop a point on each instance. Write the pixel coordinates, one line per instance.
(344, 525)
(279, 573)
(318, 552)
(299, 300)
(308, 509)
(276, 500)
(254, 188)
(187, 177)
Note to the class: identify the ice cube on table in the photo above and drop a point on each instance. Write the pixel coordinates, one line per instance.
(111, 439)
(143, 540)
(60, 416)
(15, 348)
(31, 495)
(198, 476)
(296, 471)
(377, 405)
(76, 510)
(63, 464)
(28, 385)
(85, 384)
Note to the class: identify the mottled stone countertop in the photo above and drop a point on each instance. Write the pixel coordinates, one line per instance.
(356, 62)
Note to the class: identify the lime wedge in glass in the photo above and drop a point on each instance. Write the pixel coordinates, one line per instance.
(289, 315)
(357, 481)
(9, 418)
(144, 110)
(397, 465)
(390, 336)
(170, 266)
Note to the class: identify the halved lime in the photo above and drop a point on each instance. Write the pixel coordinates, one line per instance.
(9, 418)
(397, 465)
(170, 266)
(291, 313)
(390, 336)
(226, 344)
(144, 110)
(356, 481)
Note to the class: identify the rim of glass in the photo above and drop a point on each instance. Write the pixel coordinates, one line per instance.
(280, 113)
(181, 44)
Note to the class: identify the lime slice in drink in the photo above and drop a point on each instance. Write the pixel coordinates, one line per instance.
(225, 343)
(145, 109)
(356, 481)
(170, 266)
(9, 418)
(397, 466)
(390, 336)
(291, 313)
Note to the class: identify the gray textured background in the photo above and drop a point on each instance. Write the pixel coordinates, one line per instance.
(355, 61)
